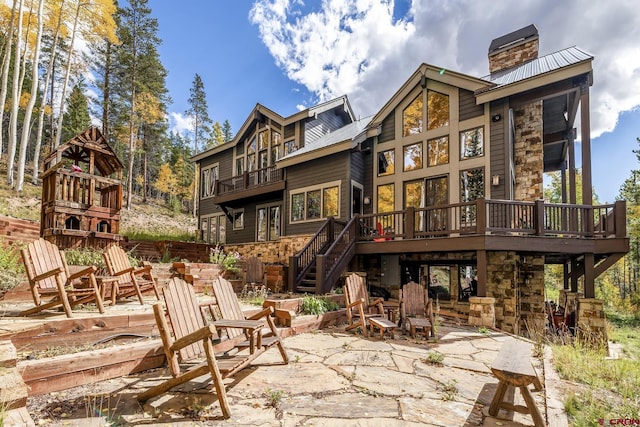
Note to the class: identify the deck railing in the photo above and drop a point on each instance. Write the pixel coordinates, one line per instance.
(249, 180)
(497, 217)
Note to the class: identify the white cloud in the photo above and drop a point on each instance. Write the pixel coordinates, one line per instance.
(180, 123)
(358, 48)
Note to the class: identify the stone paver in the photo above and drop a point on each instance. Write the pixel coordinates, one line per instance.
(337, 378)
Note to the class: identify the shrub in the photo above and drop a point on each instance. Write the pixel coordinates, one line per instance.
(11, 267)
(317, 305)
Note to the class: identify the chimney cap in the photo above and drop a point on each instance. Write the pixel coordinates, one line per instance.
(523, 34)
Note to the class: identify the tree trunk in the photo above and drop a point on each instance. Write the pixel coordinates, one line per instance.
(5, 73)
(15, 93)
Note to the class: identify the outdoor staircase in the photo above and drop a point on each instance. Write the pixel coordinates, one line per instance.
(318, 266)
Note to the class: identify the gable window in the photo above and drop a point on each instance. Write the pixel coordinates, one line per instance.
(290, 147)
(471, 143)
(386, 198)
(276, 142)
(386, 162)
(208, 177)
(251, 156)
(238, 219)
(471, 184)
(414, 197)
(412, 117)
(239, 166)
(437, 110)
(437, 194)
(412, 155)
(317, 202)
(438, 151)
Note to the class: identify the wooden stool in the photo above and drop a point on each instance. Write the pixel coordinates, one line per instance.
(513, 368)
(382, 324)
(420, 323)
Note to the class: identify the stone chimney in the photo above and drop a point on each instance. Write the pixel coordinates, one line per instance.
(513, 49)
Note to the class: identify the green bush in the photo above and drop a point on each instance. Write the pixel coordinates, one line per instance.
(317, 305)
(11, 267)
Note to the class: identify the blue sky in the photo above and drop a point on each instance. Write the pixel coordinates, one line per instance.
(289, 54)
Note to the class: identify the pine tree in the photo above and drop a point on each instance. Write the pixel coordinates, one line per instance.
(76, 118)
(227, 134)
(198, 111)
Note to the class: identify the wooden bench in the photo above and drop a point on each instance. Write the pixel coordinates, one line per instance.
(513, 368)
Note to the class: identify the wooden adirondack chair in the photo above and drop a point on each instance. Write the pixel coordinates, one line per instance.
(416, 309)
(187, 340)
(254, 271)
(232, 319)
(359, 307)
(49, 276)
(131, 280)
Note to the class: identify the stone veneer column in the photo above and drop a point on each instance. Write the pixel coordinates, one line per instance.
(532, 308)
(482, 311)
(528, 152)
(501, 285)
(592, 326)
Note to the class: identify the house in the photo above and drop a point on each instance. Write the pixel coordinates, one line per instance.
(444, 185)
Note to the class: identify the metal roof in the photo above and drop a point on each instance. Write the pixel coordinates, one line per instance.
(536, 67)
(345, 133)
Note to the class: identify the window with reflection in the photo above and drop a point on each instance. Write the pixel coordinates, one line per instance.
(437, 194)
(263, 140)
(276, 142)
(468, 281)
(208, 177)
(317, 202)
(412, 117)
(412, 155)
(439, 282)
(438, 151)
(289, 147)
(472, 143)
(437, 110)
(330, 202)
(214, 229)
(385, 198)
(251, 156)
(238, 219)
(386, 162)
(239, 166)
(268, 223)
(414, 197)
(471, 188)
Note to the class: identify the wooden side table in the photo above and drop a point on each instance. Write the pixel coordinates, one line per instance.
(382, 324)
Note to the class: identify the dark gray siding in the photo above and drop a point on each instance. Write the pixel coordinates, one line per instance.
(325, 123)
(388, 128)
(497, 147)
(248, 233)
(467, 105)
(326, 169)
(368, 175)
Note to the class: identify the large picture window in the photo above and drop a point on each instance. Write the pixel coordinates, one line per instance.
(386, 162)
(412, 117)
(208, 178)
(438, 151)
(268, 223)
(412, 155)
(214, 228)
(386, 198)
(471, 143)
(318, 202)
(437, 110)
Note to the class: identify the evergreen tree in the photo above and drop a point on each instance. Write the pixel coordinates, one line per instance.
(76, 118)
(198, 111)
(227, 134)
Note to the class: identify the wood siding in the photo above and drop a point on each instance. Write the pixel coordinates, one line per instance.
(497, 147)
(289, 131)
(467, 108)
(369, 172)
(326, 169)
(388, 128)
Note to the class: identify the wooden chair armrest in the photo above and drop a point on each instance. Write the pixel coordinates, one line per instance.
(267, 311)
(240, 324)
(49, 273)
(355, 303)
(89, 270)
(142, 270)
(207, 332)
(121, 272)
(376, 301)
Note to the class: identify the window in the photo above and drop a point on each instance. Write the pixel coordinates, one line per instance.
(251, 156)
(268, 223)
(439, 282)
(290, 147)
(386, 162)
(471, 185)
(275, 146)
(386, 199)
(412, 157)
(414, 197)
(316, 202)
(214, 228)
(239, 166)
(468, 281)
(438, 151)
(471, 143)
(238, 219)
(263, 140)
(208, 178)
(437, 194)
(437, 110)
(412, 117)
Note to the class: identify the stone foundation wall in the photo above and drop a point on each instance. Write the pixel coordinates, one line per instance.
(592, 326)
(276, 252)
(532, 308)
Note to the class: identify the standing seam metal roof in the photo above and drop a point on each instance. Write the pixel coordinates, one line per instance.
(538, 66)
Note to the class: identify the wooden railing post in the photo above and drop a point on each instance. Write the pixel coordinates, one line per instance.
(538, 217)
(620, 218)
(481, 215)
(321, 266)
(588, 221)
(293, 272)
(409, 222)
